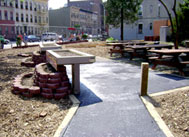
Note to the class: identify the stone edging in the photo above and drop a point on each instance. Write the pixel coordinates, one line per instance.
(154, 113)
(71, 112)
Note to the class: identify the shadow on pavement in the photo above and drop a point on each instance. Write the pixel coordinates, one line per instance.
(87, 97)
(177, 78)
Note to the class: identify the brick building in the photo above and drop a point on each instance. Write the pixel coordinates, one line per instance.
(60, 20)
(95, 6)
(19, 17)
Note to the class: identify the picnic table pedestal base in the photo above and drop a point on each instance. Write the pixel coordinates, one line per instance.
(76, 78)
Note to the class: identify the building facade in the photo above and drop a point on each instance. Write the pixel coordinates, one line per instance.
(152, 15)
(72, 18)
(19, 17)
(95, 6)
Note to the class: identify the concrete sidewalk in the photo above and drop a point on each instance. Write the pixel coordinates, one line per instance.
(110, 103)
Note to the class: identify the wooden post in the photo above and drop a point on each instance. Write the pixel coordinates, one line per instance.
(144, 79)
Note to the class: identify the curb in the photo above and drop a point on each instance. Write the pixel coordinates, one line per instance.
(62, 127)
(152, 110)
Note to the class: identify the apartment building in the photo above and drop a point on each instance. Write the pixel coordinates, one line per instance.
(95, 6)
(19, 17)
(152, 15)
(72, 18)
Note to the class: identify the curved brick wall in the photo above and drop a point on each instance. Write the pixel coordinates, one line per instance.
(37, 58)
(49, 85)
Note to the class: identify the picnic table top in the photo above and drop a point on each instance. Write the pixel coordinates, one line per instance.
(126, 43)
(112, 44)
(149, 46)
(170, 51)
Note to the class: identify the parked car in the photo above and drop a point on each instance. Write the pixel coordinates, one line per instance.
(49, 36)
(33, 38)
(6, 41)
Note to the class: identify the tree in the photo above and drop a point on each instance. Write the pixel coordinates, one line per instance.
(120, 11)
(174, 25)
(183, 20)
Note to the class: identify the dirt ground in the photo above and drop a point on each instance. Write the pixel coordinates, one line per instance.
(38, 117)
(174, 110)
(21, 116)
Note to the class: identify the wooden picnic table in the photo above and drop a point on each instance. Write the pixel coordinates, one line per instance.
(171, 58)
(142, 50)
(117, 48)
(120, 46)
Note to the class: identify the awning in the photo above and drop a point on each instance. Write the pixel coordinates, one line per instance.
(71, 28)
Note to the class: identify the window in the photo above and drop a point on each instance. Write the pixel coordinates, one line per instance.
(39, 7)
(11, 15)
(140, 28)
(151, 8)
(26, 17)
(16, 3)
(22, 17)
(0, 31)
(28, 30)
(39, 19)
(35, 8)
(17, 17)
(35, 19)
(31, 18)
(150, 26)
(47, 19)
(5, 3)
(31, 30)
(26, 5)
(21, 4)
(35, 30)
(6, 30)
(140, 11)
(6, 15)
(21, 30)
(30, 5)
(17, 30)
(0, 15)
(12, 30)
(11, 5)
(159, 8)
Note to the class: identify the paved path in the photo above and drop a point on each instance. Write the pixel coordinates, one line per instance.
(110, 103)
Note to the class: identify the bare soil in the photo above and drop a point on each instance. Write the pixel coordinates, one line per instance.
(28, 81)
(174, 110)
(48, 68)
(21, 116)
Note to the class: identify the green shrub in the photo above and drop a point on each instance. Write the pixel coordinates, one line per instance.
(84, 36)
(111, 39)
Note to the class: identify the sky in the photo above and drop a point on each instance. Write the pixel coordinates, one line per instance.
(55, 4)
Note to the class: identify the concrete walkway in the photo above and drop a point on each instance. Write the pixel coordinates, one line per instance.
(110, 102)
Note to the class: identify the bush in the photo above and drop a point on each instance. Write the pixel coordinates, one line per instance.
(18, 41)
(84, 36)
(111, 39)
